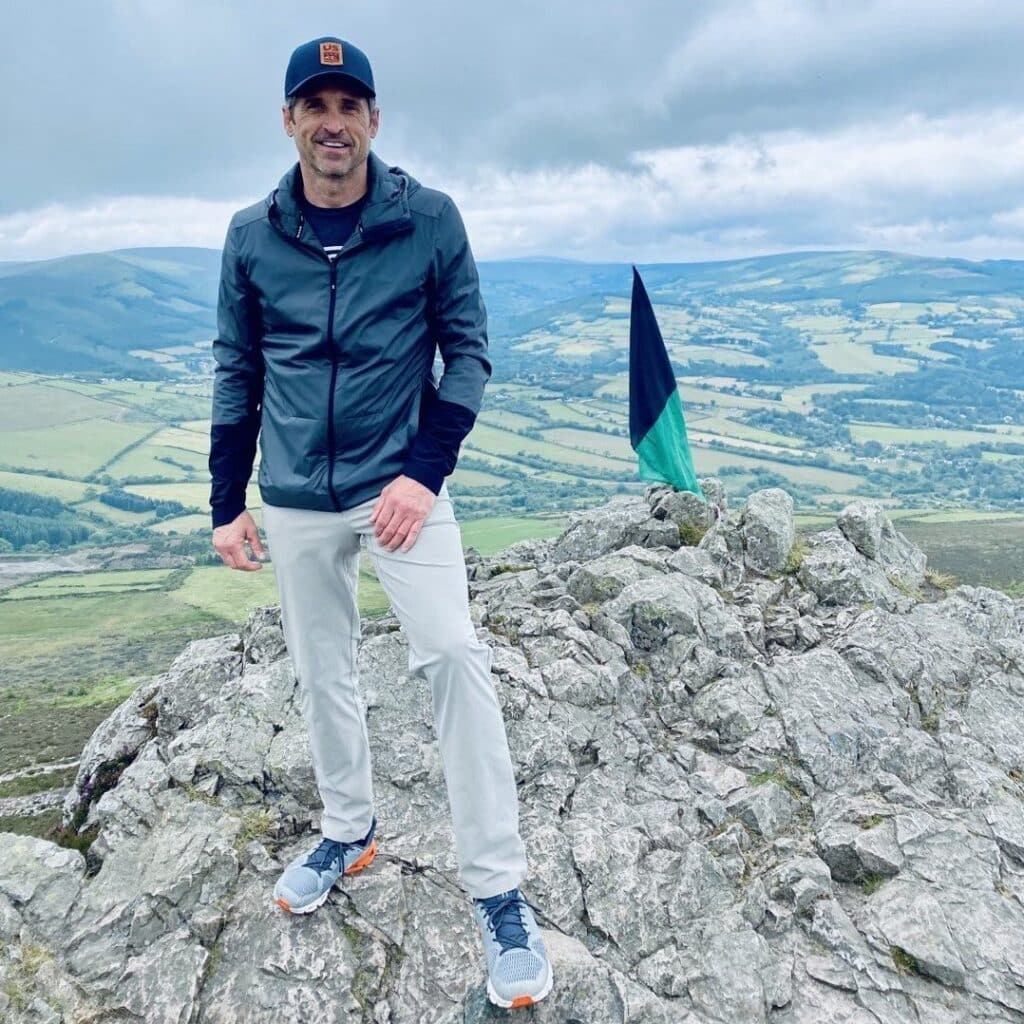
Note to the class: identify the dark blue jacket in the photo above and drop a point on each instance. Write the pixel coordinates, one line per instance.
(331, 364)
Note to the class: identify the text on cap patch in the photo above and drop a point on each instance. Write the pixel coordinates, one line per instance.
(330, 53)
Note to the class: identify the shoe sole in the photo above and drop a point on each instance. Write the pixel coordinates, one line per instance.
(519, 1001)
(353, 869)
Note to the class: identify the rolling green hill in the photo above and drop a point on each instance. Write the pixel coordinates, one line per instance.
(836, 373)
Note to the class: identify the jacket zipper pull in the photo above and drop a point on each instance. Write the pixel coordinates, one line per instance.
(298, 230)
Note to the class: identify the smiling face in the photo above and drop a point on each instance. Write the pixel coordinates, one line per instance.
(332, 127)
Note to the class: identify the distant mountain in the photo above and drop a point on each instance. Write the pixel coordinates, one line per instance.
(86, 314)
(90, 313)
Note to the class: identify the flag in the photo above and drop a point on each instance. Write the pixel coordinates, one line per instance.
(657, 430)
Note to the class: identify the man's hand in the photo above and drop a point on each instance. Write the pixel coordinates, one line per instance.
(229, 542)
(400, 512)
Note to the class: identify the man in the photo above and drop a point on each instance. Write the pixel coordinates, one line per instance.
(336, 292)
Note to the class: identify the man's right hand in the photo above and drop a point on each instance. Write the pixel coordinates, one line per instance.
(230, 539)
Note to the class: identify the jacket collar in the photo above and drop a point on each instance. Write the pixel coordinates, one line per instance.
(385, 213)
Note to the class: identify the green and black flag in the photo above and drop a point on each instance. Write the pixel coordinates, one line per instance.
(657, 430)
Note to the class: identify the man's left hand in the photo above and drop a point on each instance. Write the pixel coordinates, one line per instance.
(400, 512)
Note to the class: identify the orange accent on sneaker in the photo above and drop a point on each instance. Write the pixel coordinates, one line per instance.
(363, 861)
(282, 903)
(521, 1001)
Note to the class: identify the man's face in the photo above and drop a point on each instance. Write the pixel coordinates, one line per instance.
(332, 127)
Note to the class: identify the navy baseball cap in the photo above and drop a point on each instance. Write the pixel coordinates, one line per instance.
(326, 58)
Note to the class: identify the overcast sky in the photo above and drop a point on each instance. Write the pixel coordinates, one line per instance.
(589, 129)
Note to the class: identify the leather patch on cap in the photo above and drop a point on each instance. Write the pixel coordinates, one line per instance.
(330, 53)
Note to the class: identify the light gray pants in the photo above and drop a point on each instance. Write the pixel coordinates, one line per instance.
(316, 561)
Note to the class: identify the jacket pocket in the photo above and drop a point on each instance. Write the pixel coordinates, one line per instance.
(358, 437)
(288, 447)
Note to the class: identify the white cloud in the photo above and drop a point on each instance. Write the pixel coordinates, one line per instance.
(940, 186)
(122, 222)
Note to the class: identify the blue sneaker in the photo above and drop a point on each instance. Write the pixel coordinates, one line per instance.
(306, 882)
(518, 969)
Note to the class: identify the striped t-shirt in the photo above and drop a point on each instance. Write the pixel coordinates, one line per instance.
(333, 225)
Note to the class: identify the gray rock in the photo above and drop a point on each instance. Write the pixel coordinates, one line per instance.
(604, 578)
(618, 524)
(765, 809)
(838, 574)
(768, 530)
(690, 512)
(747, 793)
(861, 523)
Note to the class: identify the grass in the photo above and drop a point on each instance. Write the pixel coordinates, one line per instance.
(490, 535)
(20, 406)
(909, 436)
(903, 961)
(499, 442)
(81, 584)
(796, 556)
(41, 782)
(19, 985)
(988, 553)
(256, 824)
(711, 460)
(149, 460)
(779, 777)
(47, 486)
(76, 449)
(872, 883)
(944, 581)
(194, 495)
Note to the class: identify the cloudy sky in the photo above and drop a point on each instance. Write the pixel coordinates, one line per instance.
(588, 129)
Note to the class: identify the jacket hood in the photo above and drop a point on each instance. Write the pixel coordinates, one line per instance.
(387, 200)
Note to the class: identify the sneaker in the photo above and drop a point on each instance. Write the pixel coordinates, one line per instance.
(306, 882)
(518, 970)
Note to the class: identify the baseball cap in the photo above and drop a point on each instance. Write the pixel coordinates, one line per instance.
(326, 58)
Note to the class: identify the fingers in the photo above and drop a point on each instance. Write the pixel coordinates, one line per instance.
(414, 532)
(397, 531)
(252, 535)
(234, 557)
(231, 548)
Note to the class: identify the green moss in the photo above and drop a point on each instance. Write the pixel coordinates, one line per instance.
(796, 555)
(905, 963)
(691, 535)
(872, 883)
(779, 777)
(871, 820)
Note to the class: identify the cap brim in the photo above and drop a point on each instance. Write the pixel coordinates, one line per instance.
(324, 78)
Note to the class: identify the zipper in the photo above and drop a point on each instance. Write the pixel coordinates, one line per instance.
(333, 265)
(334, 382)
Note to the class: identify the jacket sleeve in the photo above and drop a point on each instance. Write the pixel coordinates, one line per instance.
(237, 389)
(459, 324)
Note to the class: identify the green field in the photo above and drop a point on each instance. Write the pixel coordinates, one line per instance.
(913, 436)
(75, 449)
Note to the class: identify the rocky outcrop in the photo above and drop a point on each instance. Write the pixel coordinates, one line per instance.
(761, 780)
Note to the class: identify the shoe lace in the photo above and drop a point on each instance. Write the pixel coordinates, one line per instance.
(330, 850)
(504, 915)
(325, 854)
